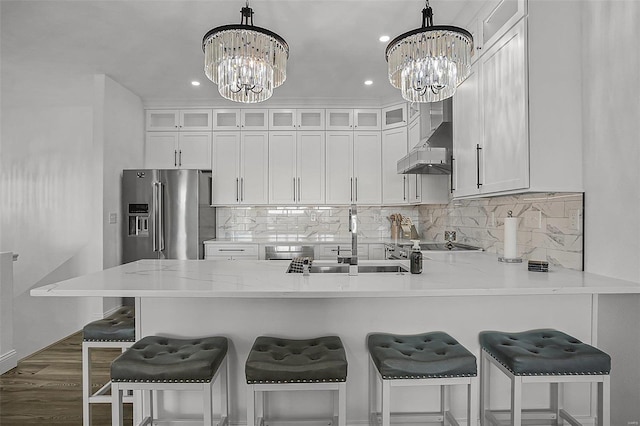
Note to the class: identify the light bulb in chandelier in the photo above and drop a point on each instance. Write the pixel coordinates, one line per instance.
(428, 63)
(245, 61)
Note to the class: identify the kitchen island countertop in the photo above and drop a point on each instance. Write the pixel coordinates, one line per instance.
(444, 274)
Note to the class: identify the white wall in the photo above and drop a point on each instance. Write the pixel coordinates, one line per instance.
(611, 128)
(118, 124)
(54, 171)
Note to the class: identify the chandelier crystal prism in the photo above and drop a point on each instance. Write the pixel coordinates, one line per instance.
(428, 63)
(245, 61)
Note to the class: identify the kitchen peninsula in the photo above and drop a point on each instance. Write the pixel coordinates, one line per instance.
(462, 294)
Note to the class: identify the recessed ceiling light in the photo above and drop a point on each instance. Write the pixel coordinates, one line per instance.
(368, 82)
(195, 83)
(384, 38)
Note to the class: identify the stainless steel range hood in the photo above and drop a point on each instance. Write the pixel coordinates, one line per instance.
(432, 155)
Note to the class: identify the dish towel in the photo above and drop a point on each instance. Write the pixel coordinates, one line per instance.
(297, 265)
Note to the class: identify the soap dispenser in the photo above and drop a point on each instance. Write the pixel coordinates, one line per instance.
(415, 258)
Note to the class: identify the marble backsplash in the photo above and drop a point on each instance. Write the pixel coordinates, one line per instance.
(293, 223)
(546, 230)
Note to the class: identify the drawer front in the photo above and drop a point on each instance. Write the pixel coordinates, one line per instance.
(235, 251)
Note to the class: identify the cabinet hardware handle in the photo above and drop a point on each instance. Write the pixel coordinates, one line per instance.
(237, 190)
(416, 186)
(241, 189)
(356, 189)
(404, 188)
(294, 189)
(351, 197)
(478, 148)
(452, 170)
(299, 190)
(230, 249)
(175, 158)
(180, 158)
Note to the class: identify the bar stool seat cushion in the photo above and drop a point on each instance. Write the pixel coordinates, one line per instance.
(119, 327)
(276, 360)
(164, 359)
(420, 356)
(544, 352)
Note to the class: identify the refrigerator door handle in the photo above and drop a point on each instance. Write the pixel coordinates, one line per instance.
(160, 216)
(154, 207)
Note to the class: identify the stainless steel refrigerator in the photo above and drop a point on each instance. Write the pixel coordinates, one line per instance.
(167, 214)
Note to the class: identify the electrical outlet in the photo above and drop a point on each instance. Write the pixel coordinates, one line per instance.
(113, 217)
(313, 217)
(533, 219)
(492, 220)
(574, 219)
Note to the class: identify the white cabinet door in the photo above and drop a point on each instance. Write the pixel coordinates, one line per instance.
(394, 116)
(466, 136)
(194, 150)
(226, 119)
(339, 119)
(162, 119)
(310, 119)
(367, 168)
(394, 185)
(254, 119)
(161, 150)
(226, 168)
(310, 168)
(254, 168)
(366, 119)
(282, 119)
(505, 147)
(339, 168)
(282, 168)
(195, 120)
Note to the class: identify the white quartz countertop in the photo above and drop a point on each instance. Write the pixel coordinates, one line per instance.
(444, 274)
(309, 240)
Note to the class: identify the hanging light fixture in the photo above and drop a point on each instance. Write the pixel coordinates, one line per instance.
(428, 63)
(245, 61)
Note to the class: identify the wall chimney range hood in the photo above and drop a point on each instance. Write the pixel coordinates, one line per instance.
(432, 155)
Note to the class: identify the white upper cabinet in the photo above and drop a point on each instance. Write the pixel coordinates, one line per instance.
(339, 168)
(367, 168)
(339, 119)
(310, 119)
(395, 187)
(494, 20)
(504, 156)
(517, 122)
(366, 119)
(282, 119)
(394, 116)
(466, 137)
(237, 119)
(296, 168)
(240, 168)
(296, 119)
(178, 120)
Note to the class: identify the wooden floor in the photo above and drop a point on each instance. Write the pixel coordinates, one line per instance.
(46, 388)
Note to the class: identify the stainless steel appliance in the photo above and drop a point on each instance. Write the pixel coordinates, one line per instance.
(401, 250)
(167, 214)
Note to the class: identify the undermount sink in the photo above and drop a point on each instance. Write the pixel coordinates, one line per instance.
(362, 269)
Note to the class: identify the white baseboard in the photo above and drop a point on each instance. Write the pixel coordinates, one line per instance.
(8, 361)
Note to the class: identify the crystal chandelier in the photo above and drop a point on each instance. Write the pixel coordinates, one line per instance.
(428, 63)
(246, 62)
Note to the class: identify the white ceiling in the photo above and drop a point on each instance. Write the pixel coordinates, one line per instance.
(154, 47)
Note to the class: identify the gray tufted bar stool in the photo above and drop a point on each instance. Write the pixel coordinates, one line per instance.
(157, 363)
(115, 331)
(542, 356)
(276, 364)
(428, 359)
